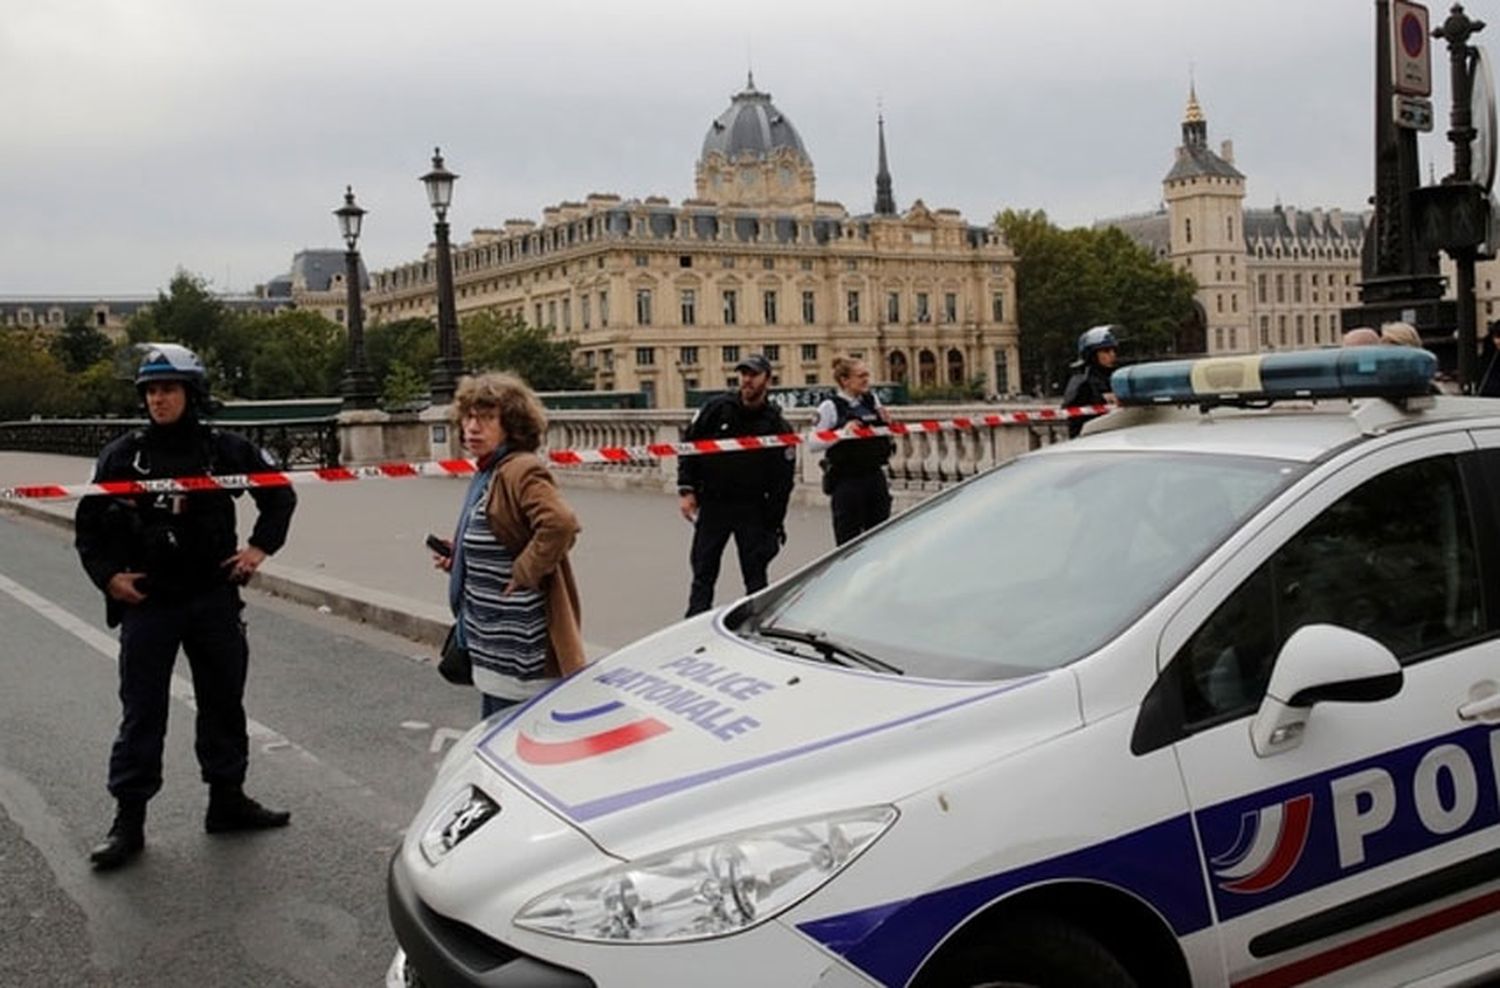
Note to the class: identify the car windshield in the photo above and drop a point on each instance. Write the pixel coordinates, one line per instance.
(1025, 569)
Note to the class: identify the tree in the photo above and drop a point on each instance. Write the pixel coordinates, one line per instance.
(412, 343)
(80, 345)
(495, 342)
(32, 381)
(404, 387)
(296, 354)
(190, 314)
(1069, 280)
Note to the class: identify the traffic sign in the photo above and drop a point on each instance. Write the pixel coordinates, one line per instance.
(1413, 112)
(1411, 54)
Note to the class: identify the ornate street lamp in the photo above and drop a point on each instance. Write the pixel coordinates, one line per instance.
(358, 385)
(449, 363)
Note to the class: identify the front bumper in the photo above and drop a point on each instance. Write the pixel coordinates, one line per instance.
(449, 954)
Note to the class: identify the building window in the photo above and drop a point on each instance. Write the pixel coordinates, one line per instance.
(603, 309)
(609, 359)
(1317, 328)
(768, 302)
(1187, 227)
(950, 307)
(642, 261)
(809, 309)
(1218, 337)
(807, 264)
(1229, 227)
(851, 265)
(769, 263)
(689, 307)
(809, 353)
(1297, 287)
(688, 355)
(1234, 303)
(923, 313)
(810, 378)
(685, 260)
(1219, 301)
(1280, 288)
(892, 306)
(1260, 288)
(645, 356)
(567, 306)
(338, 316)
(552, 312)
(731, 307)
(1281, 330)
(997, 307)
(588, 359)
(1301, 334)
(643, 306)
(1265, 331)
(536, 311)
(772, 352)
(731, 354)
(853, 307)
(726, 262)
(583, 310)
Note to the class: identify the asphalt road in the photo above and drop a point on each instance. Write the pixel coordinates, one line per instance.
(347, 728)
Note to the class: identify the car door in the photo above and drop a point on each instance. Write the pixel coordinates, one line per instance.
(1365, 854)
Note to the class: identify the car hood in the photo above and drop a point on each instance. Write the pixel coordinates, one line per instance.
(696, 722)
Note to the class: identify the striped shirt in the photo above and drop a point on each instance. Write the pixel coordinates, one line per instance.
(506, 633)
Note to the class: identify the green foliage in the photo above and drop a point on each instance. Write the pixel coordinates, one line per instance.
(970, 390)
(102, 391)
(1069, 280)
(291, 355)
(32, 380)
(411, 343)
(494, 342)
(80, 345)
(190, 314)
(403, 388)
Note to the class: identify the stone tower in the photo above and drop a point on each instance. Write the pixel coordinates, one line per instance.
(1205, 196)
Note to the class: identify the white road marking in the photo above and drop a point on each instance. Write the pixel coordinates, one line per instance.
(182, 689)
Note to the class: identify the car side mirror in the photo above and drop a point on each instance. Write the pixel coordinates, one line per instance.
(1320, 663)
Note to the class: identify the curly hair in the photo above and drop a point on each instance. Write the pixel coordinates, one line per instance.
(521, 414)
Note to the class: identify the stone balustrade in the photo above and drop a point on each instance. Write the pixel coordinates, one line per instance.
(922, 462)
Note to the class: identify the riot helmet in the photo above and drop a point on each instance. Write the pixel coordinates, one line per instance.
(172, 362)
(1095, 339)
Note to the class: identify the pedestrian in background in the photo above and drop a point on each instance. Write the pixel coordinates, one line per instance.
(1489, 364)
(854, 469)
(170, 567)
(1360, 336)
(1098, 352)
(1400, 334)
(739, 494)
(510, 584)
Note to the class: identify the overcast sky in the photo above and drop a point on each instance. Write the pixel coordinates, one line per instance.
(146, 135)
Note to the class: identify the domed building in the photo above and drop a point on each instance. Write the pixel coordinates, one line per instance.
(666, 299)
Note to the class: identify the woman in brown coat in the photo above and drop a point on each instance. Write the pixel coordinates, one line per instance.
(510, 586)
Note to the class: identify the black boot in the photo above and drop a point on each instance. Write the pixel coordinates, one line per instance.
(229, 810)
(125, 840)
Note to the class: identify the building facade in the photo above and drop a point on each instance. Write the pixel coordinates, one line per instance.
(1268, 279)
(666, 299)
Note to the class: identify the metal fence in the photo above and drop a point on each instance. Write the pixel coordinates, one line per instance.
(291, 442)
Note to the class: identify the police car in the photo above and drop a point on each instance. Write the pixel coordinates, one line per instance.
(1209, 696)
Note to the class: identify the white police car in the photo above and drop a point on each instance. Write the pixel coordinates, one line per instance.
(1209, 696)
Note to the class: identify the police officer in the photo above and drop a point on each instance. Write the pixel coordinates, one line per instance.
(1097, 354)
(740, 494)
(854, 469)
(170, 568)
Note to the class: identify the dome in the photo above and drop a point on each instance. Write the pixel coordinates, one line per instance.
(752, 125)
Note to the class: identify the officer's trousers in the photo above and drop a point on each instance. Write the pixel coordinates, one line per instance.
(208, 628)
(859, 503)
(754, 540)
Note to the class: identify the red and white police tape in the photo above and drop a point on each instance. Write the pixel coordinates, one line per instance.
(559, 457)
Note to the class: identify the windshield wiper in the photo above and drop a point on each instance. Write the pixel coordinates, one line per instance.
(832, 651)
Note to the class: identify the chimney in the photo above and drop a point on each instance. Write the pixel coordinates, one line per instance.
(1226, 151)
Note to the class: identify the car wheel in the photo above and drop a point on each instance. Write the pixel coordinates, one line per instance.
(1036, 954)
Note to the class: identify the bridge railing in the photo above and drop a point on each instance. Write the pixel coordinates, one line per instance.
(292, 442)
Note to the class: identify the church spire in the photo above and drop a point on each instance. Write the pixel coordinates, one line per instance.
(885, 201)
(1194, 124)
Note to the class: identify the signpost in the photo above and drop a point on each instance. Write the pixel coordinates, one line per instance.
(1411, 56)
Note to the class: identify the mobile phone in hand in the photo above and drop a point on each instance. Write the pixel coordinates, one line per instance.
(438, 546)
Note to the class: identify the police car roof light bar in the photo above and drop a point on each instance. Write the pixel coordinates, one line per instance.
(1352, 372)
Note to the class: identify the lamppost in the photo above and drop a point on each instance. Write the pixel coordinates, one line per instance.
(358, 385)
(1457, 30)
(449, 363)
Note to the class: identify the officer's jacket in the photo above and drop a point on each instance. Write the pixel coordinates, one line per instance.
(178, 540)
(762, 475)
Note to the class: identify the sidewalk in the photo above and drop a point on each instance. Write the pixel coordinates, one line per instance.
(356, 548)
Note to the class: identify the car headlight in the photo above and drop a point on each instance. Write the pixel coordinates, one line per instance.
(708, 889)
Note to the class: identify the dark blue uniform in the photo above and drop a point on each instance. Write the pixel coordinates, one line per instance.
(743, 495)
(180, 542)
(855, 477)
